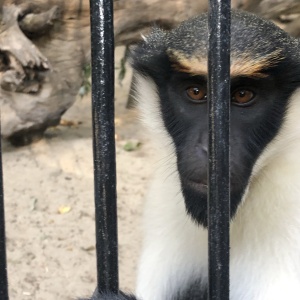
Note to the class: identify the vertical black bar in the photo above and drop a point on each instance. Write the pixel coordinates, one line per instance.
(3, 267)
(218, 171)
(102, 39)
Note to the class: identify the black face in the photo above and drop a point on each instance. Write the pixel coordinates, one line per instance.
(258, 104)
(257, 110)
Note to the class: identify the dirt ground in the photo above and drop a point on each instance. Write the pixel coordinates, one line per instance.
(48, 189)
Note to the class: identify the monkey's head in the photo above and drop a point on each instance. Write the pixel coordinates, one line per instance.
(171, 70)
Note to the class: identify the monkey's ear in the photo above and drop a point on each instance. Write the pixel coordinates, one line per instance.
(149, 56)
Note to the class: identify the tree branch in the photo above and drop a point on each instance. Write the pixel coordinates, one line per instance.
(39, 23)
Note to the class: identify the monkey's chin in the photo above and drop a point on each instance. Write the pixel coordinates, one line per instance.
(195, 197)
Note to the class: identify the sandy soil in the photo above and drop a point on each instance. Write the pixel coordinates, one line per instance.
(51, 254)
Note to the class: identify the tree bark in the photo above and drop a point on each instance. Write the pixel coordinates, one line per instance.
(278, 11)
(44, 46)
(273, 9)
(39, 23)
(133, 18)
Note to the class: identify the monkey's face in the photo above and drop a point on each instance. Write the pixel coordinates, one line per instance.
(265, 70)
(257, 109)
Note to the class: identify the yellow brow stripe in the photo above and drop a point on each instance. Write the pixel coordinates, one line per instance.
(241, 64)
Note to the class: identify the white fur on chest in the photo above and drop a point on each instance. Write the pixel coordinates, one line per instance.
(175, 249)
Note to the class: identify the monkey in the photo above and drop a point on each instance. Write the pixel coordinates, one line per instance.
(171, 73)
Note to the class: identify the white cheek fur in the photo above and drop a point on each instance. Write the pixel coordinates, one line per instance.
(265, 236)
(175, 248)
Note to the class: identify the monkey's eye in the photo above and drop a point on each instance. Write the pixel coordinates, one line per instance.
(196, 94)
(242, 97)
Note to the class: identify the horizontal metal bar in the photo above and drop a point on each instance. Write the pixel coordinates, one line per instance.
(218, 171)
(102, 40)
(3, 265)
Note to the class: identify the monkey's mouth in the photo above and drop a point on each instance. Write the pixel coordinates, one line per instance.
(201, 186)
(195, 194)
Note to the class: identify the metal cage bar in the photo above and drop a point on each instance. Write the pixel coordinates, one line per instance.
(102, 40)
(3, 265)
(218, 170)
